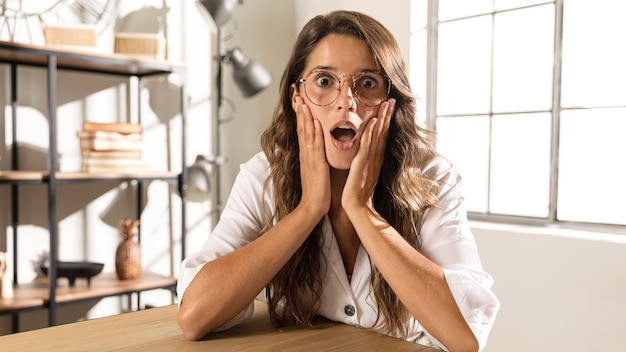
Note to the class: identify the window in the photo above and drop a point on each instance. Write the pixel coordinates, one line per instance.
(529, 102)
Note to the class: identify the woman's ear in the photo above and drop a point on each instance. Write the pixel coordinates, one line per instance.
(294, 94)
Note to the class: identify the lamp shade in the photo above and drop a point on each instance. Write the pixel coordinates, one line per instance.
(219, 10)
(250, 76)
(199, 180)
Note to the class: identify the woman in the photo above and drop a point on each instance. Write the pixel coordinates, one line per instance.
(348, 213)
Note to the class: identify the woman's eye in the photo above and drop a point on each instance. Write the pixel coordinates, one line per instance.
(367, 83)
(324, 81)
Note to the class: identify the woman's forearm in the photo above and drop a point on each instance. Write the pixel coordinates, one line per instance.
(419, 283)
(226, 285)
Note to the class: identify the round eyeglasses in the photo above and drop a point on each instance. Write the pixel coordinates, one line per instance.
(323, 87)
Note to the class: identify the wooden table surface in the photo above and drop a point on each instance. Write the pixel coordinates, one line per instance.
(156, 329)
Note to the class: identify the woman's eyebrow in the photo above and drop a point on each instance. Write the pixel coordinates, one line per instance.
(334, 69)
(323, 68)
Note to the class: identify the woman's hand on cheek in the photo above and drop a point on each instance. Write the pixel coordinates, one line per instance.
(365, 167)
(314, 168)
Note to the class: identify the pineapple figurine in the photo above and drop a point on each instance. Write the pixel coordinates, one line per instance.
(128, 254)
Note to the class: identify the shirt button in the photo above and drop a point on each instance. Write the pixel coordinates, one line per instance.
(349, 310)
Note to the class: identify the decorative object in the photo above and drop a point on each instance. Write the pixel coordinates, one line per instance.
(74, 270)
(84, 36)
(249, 76)
(144, 44)
(128, 254)
(6, 275)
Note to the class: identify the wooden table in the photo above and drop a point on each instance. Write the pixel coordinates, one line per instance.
(156, 329)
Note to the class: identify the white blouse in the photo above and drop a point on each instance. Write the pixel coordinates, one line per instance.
(446, 240)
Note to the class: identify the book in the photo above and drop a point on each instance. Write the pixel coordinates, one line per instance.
(108, 135)
(119, 127)
(112, 165)
(111, 154)
(113, 168)
(110, 144)
(111, 162)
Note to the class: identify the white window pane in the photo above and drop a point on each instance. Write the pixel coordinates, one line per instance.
(592, 166)
(419, 15)
(511, 4)
(594, 54)
(523, 60)
(465, 142)
(464, 66)
(449, 9)
(520, 164)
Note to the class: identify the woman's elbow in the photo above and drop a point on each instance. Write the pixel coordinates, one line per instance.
(464, 345)
(190, 330)
(193, 329)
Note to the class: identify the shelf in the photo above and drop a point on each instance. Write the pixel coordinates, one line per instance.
(44, 293)
(105, 285)
(113, 176)
(20, 302)
(20, 176)
(36, 294)
(84, 60)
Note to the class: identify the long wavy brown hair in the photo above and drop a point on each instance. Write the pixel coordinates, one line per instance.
(401, 196)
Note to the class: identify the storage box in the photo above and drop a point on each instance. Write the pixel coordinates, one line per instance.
(75, 35)
(147, 44)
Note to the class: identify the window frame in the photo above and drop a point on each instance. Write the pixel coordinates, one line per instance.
(430, 119)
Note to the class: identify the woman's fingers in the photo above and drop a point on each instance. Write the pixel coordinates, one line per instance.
(381, 130)
(366, 166)
(374, 139)
(313, 164)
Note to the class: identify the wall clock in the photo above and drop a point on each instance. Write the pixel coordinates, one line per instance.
(24, 20)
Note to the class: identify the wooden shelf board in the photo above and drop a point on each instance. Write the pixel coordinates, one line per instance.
(19, 302)
(108, 284)
(84, 59)
(18, 176)
(36, 293)
(148, 175)
(21, 175)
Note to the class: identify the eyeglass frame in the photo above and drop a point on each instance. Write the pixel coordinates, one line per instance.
(353, 86)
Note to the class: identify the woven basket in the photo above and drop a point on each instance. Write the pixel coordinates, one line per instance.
(144, 44)
(84, 35)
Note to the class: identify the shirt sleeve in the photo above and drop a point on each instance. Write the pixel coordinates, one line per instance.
(245, 213)
(448, 241)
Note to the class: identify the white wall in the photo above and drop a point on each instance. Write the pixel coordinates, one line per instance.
(396, 20)
(265, 33)
(559, 290)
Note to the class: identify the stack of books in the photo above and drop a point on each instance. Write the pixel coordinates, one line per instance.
(111, 147)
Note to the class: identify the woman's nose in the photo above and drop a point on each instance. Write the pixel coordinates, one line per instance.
(346, 96)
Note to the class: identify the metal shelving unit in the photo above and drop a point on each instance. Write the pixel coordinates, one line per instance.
(47, 294)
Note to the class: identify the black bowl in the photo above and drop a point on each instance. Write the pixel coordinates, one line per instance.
(74, 270)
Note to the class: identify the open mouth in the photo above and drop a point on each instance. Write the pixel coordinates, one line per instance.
(343, 133)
